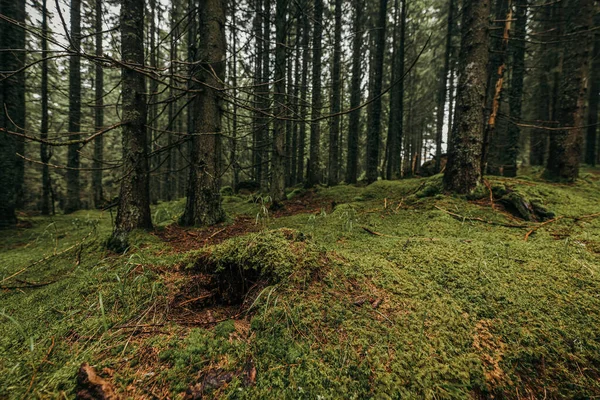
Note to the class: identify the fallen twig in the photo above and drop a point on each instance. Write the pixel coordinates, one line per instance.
(557, 219)
(462, 217)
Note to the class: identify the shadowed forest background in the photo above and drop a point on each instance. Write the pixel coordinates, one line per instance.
(299, 198)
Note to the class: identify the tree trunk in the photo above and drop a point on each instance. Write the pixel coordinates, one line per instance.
(265, 143)
(593, 99)
(315, 126)
(46, 209)
(233, 156)
(12, 106)
(374, 128)
(566, 145)
(72, 174)
(258, 102)
(463, 171)
(515, 100)
(98, 114)
(203, 206)
(336, 99)
(355, 95)
(170, 187)
(295, 104)
(441, 100)
(278, 164)
(303, 93)
(134, 196)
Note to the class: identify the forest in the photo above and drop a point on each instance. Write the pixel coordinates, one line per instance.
(299, 199)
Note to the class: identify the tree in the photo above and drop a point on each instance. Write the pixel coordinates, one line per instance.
(463, 170)
(515, 99)
(315, 127)
(374, 110)
(279, 154)
(134, 197)
(593, 100)
(566, 143)
(303, 92)
(203, 205)
(72, 175)
(441, 100)
(12, 105)
(46, 208)
(98, 195)
(336, 99)
(355, 95)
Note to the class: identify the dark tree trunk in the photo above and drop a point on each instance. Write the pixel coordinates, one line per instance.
(374, 110)
(566, 145)
(441, 100)
(134, 196)
(72, 174)
(593, 99)
(395, 127)
(355, 95)
(544, 95)
(315, 126)
(278, 164)
(153, 134)
(12, 107)
(203, 206)
(258, 119)
(170, 188)
(46, 208)
(99, 114)
(265, 142)
(336, 99)
(463, 171)
(233, 156)
(295, 105)
(515, 100)
(303, 93)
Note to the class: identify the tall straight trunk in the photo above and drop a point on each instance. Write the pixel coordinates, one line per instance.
(153, 135)
(492, 141)
(566, 145)
(441, 100)
(170, 187)
(278, 160)
(98, 114)
(544, 95)
(355, 95)
(397, 98)
(314, 175)
(72, 174)
(234, 141)
(265, 143)
(303, 93)
(203, 206)
(46, 208)
(591, 142)
(336, 99)
(19, 116)
(463, 171)
(374, 128)
(134, 197)
(289, 91)
(12, 106)
(258, 116)
(295, 105)
(515, 100)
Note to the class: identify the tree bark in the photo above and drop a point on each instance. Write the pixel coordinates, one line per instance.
(72, 175)
(46, 208)
(566, 145)
(203, 206)
(12, 107)
(441, 100)
(98, 195)
(593, 100)
(463, 171)
(134, 196)
(303, 93)
(355, 95)
(279, 125)
(515, 100)
(336, 99)
(314, 163)
(374, 110)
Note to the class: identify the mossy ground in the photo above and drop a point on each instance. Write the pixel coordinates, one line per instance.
(397, 291)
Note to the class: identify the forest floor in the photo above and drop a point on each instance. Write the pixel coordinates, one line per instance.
(392, 290)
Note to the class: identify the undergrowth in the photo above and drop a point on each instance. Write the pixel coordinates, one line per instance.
(393, 290)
